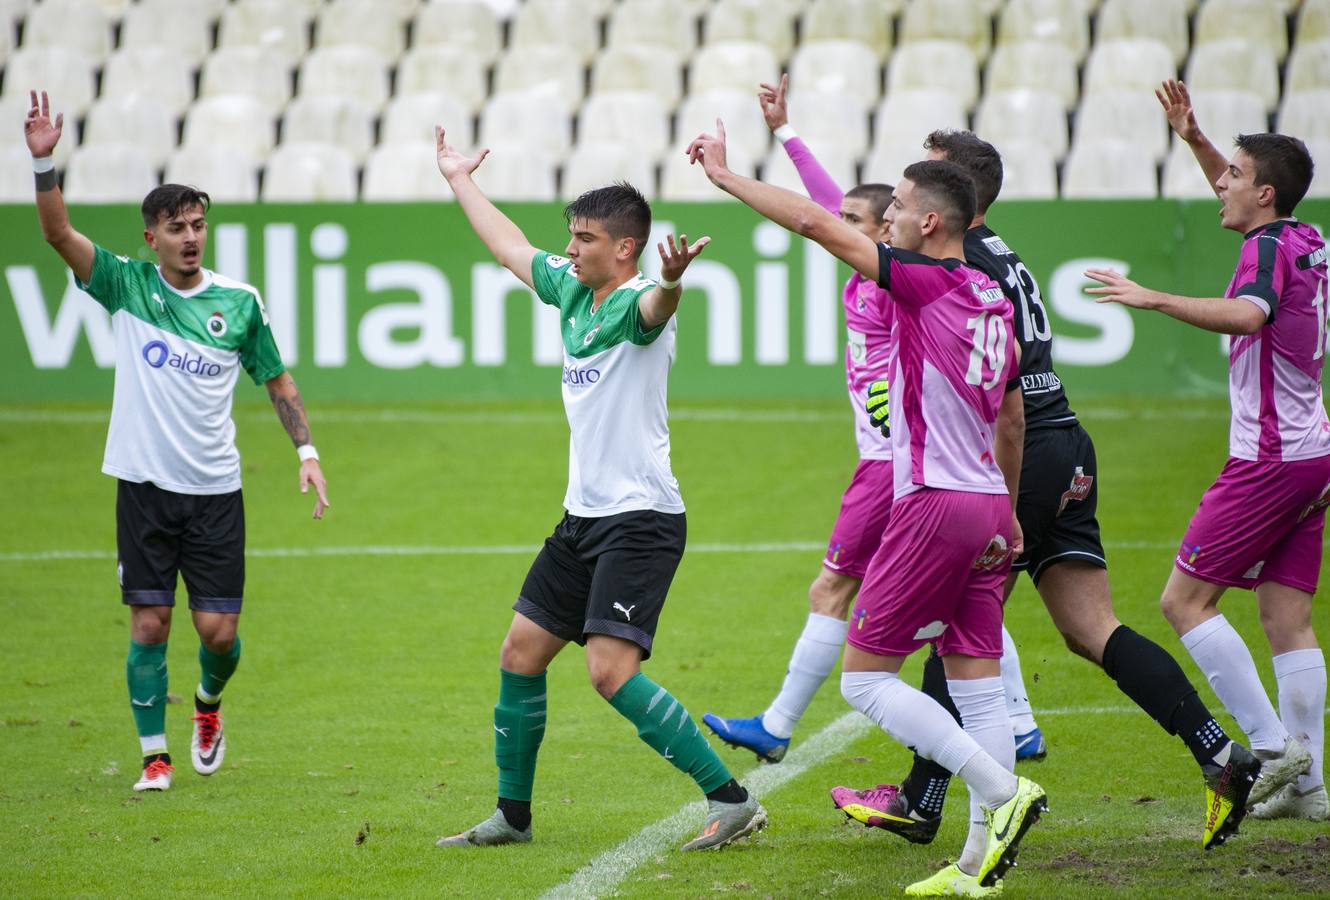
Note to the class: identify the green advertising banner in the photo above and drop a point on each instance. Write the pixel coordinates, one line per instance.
(402, 301)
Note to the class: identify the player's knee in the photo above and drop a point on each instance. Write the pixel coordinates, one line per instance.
(1077, 646)
(151, 624)
(1173, 606)
(607, 677)
(513, 657)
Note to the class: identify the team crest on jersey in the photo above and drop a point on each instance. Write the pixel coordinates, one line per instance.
(861, 615)
(590, 336)
(1079, 490)
(217, 326)
(557, 262)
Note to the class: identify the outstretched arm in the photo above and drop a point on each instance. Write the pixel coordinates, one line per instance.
(42, 134)
(286, 400)
(1176, 100)
(786, 208)
(821, 186)
(660, 303)
(1225, 315)
(503, 238)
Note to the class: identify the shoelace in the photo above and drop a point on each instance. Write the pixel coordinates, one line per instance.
(157, 768)
(209, 725)
(880, 796)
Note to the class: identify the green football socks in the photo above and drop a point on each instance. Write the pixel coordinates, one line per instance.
(665, 726)
(145, 670)
(216, 671)
(519, 726)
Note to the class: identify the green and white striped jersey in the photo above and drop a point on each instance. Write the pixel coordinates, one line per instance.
(614, 383)
(178, 355)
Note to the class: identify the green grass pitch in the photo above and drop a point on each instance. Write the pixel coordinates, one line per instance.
(359, 720)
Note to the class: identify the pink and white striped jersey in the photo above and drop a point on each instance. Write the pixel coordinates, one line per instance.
(953, 354)
(1274, 375)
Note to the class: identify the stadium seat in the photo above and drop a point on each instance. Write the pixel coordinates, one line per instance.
(108, 173)
(6, 41)
(738, 109)
(560, 23)
(16, 173)
(1303, 115)
(679, 180)
(526, 118)
(886, 162)
(405, 172)
(593, 165)
(1313, 21)
(225, 175)
(65, 74)
(135, 120)
(412, 117)
(1308, 66)
(732, 65)
(1225, 114)
(778, 170)
(1260, 21)
(1159, 20)
(503, 9)
(829, 119)
(1035, 65)
(347, 70)
(1235, 66)
(1132, 116)
(330, 120)
(13, 112)
(516, 172)
(635, 119)
(469, 24)
(1109, 169)
(300, 173)
(454, 70)
(750, 21)
(1028, 171)
(165, 23)
(1138, 64)
(905, 118)
(848, 68)
(360, 23)
(1183, 178)
(232, 121)
(11, 11)
(542, 69)
(405, 10)
(1320, 188)
(1045, 20)
(935, 65)
(652, 22)
(113, 9)
(79, 26)
(152, 71)
(639, 67)
(949, 20)
(278, 26)
(1032, 116)
(868, 21)
(247, 70)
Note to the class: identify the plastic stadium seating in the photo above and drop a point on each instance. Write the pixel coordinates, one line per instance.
(1045, 20)
(1225, 114)
(738, 109)
(137, 120)
(457, 71)
(778, 170)
(1303, 114)
(65, 74)
(304, 172)
(935, 65)
(247, 70)
(405, 171)
(829, 119)
(1183, 178)
(1158, 20)
(680, 180)
(596, 164)
(108, 173)
(1321, 176)
(16, 173)
(868, 21)
(1109, 169)
(359, 73)
(1123, 115)
(330, 120)
(48, 25)
(639, 67)
(635, 119)
(235, 122)
(1005, 117)
(1028, 171)
(1314, 21)
(848, 68)
(886, 162)
(217, 169)
(1138, 64)
(1036, 65)
(278, 26)
(541, 69)
(360, 23)
(516, 172)
(562, 23)
(1252, 20)
(412, 117)
(654, 23)
(905, 118)
(750, 20)
(175, 27)
(732, 65)
(1235, 66)
(531, 120)
(1308, 66)
(152, 71)
(471, 24)
(948, 20)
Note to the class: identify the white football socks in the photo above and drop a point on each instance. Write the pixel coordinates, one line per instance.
(152, 743)
(910, 716)
(1228, 666)
(815, 655)
(1301, 677)
(1018, 702)
(983, 705)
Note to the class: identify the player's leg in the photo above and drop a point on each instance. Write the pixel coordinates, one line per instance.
(145, 669)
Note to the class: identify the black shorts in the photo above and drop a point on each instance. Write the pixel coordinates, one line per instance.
(605, 575)
(1058, 500)
(202, 536)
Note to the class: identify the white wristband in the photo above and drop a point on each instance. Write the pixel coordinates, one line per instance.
(785, 132)
(667, 284)
(307, 452)
(42, 164)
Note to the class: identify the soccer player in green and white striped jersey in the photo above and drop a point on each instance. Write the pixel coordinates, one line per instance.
(602, 576)
(182, 335)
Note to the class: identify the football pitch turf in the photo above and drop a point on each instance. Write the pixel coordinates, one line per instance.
(359, 722)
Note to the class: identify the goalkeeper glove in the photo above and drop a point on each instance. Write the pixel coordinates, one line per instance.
(878, 406)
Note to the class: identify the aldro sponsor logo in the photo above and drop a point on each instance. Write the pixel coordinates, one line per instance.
(157, 355)
(575, 376)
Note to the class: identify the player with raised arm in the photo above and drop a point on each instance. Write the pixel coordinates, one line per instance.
(1259, 526)
(956, 444)
(602, 576)
(866, 502)
(1063, 554)
(182, 335)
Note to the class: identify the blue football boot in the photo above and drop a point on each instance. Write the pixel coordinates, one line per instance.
(748, 734)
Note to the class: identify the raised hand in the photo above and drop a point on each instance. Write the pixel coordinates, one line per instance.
(709, 151)
(1118, 288)
(675, 260)
(772, 99)
(39, 131)
(451, 160)
(1176, 100)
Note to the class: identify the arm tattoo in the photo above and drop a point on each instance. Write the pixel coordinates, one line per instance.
(291, 411)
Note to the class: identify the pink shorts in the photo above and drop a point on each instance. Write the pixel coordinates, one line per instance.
(864, 509)
(937, 577)
(1260, 521)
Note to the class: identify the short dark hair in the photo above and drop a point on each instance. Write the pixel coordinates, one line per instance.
(170, 200)
(950, 187)
(877, 194)
(1283, 163)
(976, 156)
(620, 207)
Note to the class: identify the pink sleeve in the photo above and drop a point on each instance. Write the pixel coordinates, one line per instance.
(821, 186)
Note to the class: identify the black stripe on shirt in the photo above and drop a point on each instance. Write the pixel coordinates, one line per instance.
(1263, 285)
